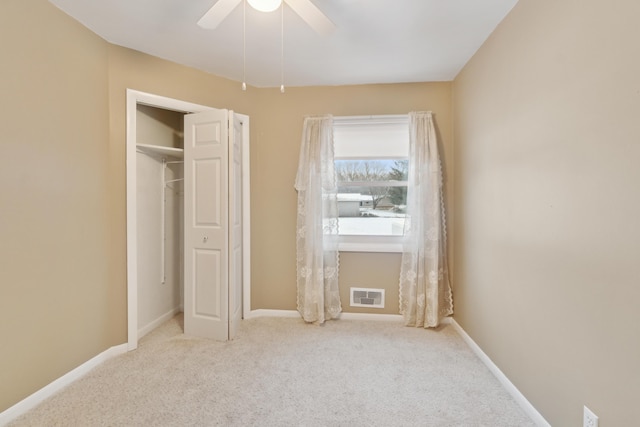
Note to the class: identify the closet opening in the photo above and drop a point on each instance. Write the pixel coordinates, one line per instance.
(160, 213)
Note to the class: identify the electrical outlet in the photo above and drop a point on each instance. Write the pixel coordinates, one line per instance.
(590, 419)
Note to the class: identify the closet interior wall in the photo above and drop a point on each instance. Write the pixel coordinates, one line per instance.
(159, 217)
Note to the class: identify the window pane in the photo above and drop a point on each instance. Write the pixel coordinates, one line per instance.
(371, 170)
(377, 209)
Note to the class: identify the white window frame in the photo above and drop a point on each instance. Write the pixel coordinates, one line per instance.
(371, 243)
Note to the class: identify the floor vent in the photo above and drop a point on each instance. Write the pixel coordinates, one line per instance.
(364, 297)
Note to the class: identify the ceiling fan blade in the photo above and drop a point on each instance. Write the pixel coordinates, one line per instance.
(313, 16)
(217, 13)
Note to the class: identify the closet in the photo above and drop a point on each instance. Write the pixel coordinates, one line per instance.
(187, 216)
(160, 197)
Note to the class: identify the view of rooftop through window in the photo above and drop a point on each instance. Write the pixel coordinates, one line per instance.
(372, 196)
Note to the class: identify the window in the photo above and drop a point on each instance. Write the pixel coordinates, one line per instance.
(371, 162)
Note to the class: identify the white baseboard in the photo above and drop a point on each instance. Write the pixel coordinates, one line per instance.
(344, 316)
(371, 316)
(271, 313)
(52, 388)
(159, 321)
(508, 385)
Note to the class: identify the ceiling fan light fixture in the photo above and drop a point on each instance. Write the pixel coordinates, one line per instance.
(265, 5)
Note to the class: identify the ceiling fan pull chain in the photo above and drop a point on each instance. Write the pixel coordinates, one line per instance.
(282, 49)
(244, 44)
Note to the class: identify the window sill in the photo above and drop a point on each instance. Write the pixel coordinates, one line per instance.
(390, 244)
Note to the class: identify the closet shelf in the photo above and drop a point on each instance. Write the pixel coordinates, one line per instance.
(160, 150)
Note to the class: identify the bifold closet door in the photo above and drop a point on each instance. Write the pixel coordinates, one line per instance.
(206, 222)
(236, 136)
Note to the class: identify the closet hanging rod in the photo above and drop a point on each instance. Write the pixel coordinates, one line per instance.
(176, 161)
(174, 180)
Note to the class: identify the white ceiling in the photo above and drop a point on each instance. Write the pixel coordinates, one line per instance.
(376, 41)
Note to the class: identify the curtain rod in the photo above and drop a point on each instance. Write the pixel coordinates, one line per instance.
(385, 118)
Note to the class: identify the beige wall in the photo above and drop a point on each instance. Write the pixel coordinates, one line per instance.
(129, 69)
(156, 126)
(53, 204)
(277, 131)
(547, 247)
(63, 296)
(546, 242)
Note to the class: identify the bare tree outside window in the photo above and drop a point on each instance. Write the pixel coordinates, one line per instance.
(398, 195)
(365, 171)
(371, 179)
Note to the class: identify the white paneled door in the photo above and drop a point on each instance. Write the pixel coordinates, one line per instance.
(213, 225)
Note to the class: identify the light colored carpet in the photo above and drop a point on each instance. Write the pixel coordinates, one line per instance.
(283, 372)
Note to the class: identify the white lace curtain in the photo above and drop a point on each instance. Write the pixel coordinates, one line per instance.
(317, 223)
(425, 292)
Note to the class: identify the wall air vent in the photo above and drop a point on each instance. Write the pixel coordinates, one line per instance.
(365, 297)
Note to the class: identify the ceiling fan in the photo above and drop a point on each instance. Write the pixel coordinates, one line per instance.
(308, 11)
